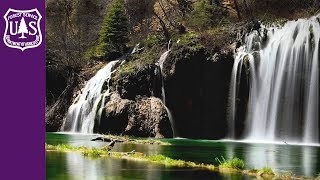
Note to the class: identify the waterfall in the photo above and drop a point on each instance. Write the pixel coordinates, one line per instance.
(84, 111)
(284, 83)
(160, 62)
(163, 93)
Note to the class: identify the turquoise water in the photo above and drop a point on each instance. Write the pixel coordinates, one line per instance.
(300, 160)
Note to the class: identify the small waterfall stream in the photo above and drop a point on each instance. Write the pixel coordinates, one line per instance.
(283, 102)
(163, 93)
(82, 113)
(160, 62)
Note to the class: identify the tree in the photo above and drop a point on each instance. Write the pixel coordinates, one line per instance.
(22, 28)
(185, 6)
(237, 8)
(205, 14)
(114, 32)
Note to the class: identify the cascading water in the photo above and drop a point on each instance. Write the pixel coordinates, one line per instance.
(83, 112)
(163, 93)
(284, 83)
(160, 62)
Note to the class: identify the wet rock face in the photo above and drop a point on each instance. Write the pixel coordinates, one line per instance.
(142, 82)
(145, 117)
(114, 118)
(197, 88)
(150, 118)
(55, 112)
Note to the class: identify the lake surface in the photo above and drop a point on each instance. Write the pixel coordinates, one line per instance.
(300, 160)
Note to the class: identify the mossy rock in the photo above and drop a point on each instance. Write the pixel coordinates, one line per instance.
(266, 171)
(311, 38)
(188, 50)
(133, 81)
(137, 77)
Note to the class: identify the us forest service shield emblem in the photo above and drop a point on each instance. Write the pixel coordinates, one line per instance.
(22, 29)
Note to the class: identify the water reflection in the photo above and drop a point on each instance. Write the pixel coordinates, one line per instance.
(299, 160)
(75, 166)
(78, 167)
(310, 160)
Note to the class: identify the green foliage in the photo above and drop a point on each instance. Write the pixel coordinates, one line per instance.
(92, 52)
(94, 152)
(114, 32)
(188, 49)
(254, 171)
(151, 41)
(266, 171)
(205, 14)
(63, 148)
(96, 119)
(167, 161)
(125, 70)
(187, 38)
(234, 163)
(137, 61)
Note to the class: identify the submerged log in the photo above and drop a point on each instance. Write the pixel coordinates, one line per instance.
(104, 139)
(109, 146)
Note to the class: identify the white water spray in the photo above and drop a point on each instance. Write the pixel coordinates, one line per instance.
(83, 112)
(284, 83)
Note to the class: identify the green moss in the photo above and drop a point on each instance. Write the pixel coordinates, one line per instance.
(99, 105)
(318, 19)
(159, 159)
(167, 161)
(187, 38)
(225, 167)
(125, 70)
(270, 20)
(254, 171)
(104, 87)
(64, 148)
(188, 49)
(266, 171)
(94, 152)
(136, 61)
(131, 140)
(311, 38)
(151, 41)
(97, 117)
(234, 163)
(246, 63)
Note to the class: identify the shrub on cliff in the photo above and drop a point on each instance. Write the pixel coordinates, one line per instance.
(114, 32)
(205, 14)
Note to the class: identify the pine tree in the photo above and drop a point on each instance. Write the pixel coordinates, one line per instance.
(114, 32)
(23, 28)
